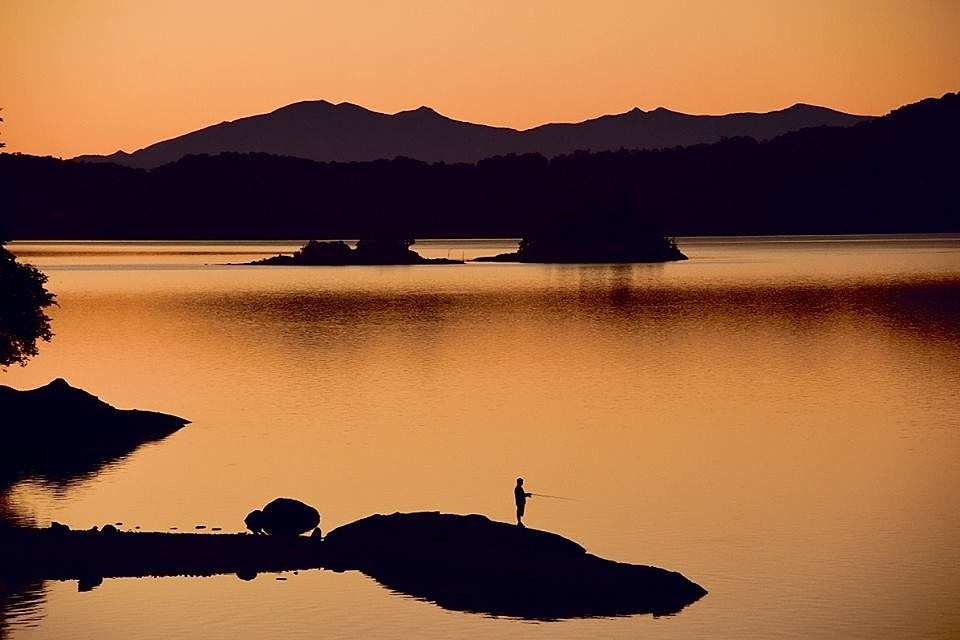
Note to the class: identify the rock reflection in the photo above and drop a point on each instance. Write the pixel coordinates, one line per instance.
(21, 604)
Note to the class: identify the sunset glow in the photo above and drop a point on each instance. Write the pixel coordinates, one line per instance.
(94, 76)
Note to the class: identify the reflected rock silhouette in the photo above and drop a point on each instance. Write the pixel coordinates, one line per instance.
(470, 563)
(20, 601)
(60, 433)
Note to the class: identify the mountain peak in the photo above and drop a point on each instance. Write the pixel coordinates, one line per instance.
(422, 110)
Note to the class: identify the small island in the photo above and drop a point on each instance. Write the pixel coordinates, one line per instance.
(369, 251)
(562, 245)
(617, 232)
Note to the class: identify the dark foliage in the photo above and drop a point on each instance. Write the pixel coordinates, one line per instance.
(894, 174)
(23, 299)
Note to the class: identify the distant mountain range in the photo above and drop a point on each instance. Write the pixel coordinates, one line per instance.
(319, 130)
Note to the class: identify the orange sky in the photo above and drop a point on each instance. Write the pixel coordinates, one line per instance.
(94, 76)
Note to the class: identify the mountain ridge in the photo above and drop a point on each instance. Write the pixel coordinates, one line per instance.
(892, 174)
(346, 132)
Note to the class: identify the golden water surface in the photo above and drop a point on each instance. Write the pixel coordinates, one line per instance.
(776, 418)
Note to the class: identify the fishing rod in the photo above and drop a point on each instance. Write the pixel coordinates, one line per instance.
(546, 495)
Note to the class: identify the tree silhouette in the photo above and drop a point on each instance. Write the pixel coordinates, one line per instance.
(23, 299)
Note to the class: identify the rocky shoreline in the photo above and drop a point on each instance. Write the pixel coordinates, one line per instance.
(460, 562)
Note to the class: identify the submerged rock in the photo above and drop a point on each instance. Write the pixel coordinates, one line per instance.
(283, 517)
(471, 563)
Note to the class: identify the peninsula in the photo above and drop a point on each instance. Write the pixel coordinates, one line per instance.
(459, 562)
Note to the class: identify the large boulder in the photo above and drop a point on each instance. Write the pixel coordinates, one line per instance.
(283, 517)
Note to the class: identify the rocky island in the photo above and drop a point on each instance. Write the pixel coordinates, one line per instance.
(574, 248)
(618, 232)
(369, 251)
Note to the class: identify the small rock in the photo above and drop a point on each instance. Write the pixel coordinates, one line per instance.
(217, 529)
(316, 533)
(281, 578)
(58, 527)
(108, 529)
(119, 524)
(93, 529)
(200, 526)
(254, 521)
(173, 528)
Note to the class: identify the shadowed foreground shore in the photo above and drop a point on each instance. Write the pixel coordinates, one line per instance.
(464, 563)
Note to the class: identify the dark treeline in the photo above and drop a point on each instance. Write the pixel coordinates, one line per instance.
(897, 173)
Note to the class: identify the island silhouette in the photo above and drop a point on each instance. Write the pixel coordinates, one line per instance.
(379, 250)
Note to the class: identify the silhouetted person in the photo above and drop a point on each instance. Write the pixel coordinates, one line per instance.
(521, 498)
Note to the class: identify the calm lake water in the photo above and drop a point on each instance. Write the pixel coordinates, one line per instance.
(776, 418)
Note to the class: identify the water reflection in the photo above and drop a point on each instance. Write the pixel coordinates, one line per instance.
(21, 605)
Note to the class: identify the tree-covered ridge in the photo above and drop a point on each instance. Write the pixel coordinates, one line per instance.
(894, 174)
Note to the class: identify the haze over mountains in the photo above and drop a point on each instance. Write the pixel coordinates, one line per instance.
(319, 130)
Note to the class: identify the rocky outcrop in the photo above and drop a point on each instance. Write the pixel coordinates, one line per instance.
(471, 563)
(465, 563)
(61, 432)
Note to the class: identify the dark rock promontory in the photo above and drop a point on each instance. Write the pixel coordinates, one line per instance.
(371, 251)
(60, 432)
(470, 563)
